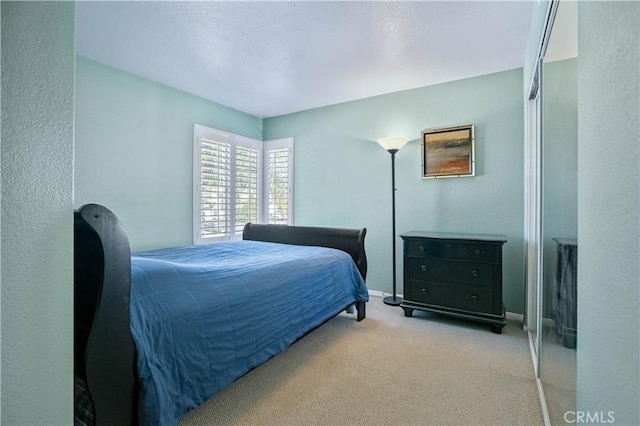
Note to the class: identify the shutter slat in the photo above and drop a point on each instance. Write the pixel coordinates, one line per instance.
(215, 174)
(246, 187)
(278, 184)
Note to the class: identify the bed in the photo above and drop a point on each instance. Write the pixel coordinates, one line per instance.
(159, 332)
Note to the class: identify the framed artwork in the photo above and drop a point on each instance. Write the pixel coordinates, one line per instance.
(448, 152)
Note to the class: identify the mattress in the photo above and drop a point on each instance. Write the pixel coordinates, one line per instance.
(202, 316)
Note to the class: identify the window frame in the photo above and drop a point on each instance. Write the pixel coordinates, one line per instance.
(263, 147)
(274, 144)
(200, 132)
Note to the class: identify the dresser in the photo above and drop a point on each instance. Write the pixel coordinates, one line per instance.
(565, 296)
(454, 274)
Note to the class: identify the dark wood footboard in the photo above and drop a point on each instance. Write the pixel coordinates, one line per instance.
(350, 241)
(103, 347)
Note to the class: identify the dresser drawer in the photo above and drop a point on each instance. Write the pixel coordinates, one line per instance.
(472, 299)
(468, 250)
(451, 296)
(439, 270)
(426, 292)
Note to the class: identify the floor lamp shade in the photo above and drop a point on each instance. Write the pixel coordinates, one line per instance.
(393, 145)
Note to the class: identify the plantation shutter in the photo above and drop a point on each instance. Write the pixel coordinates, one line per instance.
(215, 196)
(239, 180)
(246, 186)
(279, 181)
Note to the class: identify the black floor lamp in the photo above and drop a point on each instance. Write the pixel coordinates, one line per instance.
(393, 145)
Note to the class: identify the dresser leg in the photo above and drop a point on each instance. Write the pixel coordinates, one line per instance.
(408, 312)
(497, 328)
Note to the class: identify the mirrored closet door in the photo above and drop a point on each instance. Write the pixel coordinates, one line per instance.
(532, 217)
(559, 246)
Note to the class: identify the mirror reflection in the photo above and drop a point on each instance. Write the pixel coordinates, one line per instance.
(560, 201)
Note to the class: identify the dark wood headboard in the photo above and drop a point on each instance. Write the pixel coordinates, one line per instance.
(347, 240)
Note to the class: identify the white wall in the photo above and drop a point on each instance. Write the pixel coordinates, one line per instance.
(37, 212)
(608, 209)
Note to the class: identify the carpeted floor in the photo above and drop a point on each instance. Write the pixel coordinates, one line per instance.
(387, 370)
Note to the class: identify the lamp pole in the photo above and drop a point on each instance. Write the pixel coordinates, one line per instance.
(393, 300)
(393, 145)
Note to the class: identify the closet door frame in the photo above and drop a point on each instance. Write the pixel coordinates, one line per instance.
(534, 208)
(533, 218)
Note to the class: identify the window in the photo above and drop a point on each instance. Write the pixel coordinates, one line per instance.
(278, 162)
(239, 180)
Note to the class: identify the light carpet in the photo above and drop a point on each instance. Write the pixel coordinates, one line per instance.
(387, 370)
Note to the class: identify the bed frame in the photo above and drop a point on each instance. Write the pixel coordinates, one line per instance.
(103, 347)
(350, 241)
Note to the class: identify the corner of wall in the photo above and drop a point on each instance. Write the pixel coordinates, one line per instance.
(609, 227)
(37, 222)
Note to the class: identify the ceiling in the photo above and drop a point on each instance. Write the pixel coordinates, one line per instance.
(563, 43)
(272, 58)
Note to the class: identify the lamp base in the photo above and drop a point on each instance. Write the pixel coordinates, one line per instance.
(392, 300)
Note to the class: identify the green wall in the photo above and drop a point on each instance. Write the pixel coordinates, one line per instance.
(343, 177)
(134, 147)
(608, 362)
(37, 203)
(133, 150)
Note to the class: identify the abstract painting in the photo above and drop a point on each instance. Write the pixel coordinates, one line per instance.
(448, 152)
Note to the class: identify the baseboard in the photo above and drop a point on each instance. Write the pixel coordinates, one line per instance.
(543, 404)
(510, 315)
(514, 316)
(543, 400)
(376, 293)
(548, 322)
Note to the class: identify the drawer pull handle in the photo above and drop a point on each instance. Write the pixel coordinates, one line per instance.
(424, 290)
(475, 273)
(421, 247)
(474, 298)
(477, 251)
(424, 267)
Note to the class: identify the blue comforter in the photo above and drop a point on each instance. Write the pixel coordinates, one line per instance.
(202, 316)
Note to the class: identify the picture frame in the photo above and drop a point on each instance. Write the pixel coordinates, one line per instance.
(448, 152)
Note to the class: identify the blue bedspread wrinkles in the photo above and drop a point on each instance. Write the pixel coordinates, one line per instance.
(202, 316)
